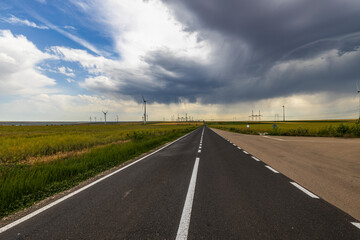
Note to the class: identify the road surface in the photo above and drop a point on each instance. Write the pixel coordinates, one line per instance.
(200, 187)
(330, 167)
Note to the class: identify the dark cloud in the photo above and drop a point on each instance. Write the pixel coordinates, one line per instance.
(175, 77)
(263, 49)
(273, 27)
(259, 49)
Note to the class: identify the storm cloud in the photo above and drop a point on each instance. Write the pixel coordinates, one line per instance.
(264, 49)
(226, 52)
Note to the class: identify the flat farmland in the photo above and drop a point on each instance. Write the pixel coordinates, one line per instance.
(39, 161)
(330, 128)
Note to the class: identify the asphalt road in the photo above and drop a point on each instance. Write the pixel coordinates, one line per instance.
(200, 187)
(330, 167)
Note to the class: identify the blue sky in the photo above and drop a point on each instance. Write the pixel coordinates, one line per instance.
(71, 59)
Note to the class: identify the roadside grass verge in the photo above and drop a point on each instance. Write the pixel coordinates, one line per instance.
(22, 143)
(23, 184)
(296, 128)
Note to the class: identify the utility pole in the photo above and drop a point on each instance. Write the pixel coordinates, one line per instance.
(277, 117)
(283, 113)
(259, 116)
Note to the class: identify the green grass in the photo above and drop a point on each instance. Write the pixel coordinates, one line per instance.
(343, 128)
(19, 143)
(23, 184)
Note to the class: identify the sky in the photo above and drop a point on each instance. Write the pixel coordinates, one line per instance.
(69, 60)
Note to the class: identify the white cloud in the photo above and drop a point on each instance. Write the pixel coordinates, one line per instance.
(110, 75)
(94, 64)
(69, 80)
(73, 37)
(15, 20)
(19, 73)
(70, 27)
(138, 28)
(62, 107)
(66, 71)
(101, 83)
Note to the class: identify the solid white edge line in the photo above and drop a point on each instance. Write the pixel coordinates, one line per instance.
(27, 217)
(184, 224)
(304, 190)
(245, 152)
(356, 224)
(271, 169)
(256, 159)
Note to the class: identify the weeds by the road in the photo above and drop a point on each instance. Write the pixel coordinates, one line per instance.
(21, 143)
(23, 184)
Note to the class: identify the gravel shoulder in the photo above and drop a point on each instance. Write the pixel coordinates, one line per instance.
(329, 167)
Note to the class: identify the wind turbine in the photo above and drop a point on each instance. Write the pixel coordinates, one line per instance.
(283, 106)
(144, 105)
(105, 115)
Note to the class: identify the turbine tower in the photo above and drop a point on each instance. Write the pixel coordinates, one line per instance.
(144, 102)
(105, 115)
(283, 113)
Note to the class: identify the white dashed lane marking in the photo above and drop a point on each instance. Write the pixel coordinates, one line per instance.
(304, 190)
(356, 224)
(255, 158)
(271, 169)
(245, 152)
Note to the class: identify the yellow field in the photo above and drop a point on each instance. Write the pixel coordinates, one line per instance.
(25, 143)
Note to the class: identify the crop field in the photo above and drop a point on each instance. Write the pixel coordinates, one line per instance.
(39, 161)
(335, 128)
